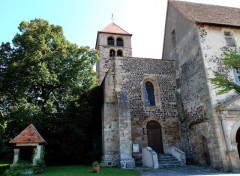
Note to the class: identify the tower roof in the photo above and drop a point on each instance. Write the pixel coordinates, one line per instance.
(28, 135)
(209, 14)
(114, 29)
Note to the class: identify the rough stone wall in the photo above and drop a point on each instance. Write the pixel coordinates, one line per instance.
(110, 122)
(193, 96)
(105, 61)
(130, 74)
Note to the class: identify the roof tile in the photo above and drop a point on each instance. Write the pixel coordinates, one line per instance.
(115, 29)
(28, 135)
(210, 14)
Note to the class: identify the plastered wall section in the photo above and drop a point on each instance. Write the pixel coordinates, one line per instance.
(212, 43)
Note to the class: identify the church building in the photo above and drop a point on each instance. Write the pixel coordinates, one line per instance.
(169, 104)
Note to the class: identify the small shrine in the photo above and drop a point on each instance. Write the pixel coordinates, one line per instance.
(28, 145)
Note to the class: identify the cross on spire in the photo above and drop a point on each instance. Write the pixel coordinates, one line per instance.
(112, 18)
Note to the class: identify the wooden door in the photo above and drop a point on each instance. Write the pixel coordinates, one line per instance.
(154, 136)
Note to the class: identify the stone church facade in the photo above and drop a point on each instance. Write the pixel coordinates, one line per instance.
(170, 102)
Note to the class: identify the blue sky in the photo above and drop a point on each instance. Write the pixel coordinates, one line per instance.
(81, 19)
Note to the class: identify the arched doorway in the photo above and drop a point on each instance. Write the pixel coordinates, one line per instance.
(154, 135)
(203, 151)
(238, 141)
(206, 151)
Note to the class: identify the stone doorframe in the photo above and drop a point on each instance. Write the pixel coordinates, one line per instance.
(233, 132)
(144, 125)
(229, 132)
(234, 157)
(202, 158)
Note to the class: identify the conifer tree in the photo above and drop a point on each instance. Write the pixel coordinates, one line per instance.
(231, 60)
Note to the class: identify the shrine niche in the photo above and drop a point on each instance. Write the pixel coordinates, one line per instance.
(28, 145)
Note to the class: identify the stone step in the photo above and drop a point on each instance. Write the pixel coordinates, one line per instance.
(168, 165)
(164, 155)
(169, 162)
(165, 160)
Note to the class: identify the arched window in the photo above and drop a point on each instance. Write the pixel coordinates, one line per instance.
(112, 53)
(111, 41)
(119, 53)
(119, 42)
(149, 94)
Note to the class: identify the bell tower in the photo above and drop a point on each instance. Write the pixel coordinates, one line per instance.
(112, 41)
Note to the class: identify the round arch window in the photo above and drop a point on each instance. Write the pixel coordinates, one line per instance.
(119, 42)
(112, 53)
(119, 53)
(110, 41)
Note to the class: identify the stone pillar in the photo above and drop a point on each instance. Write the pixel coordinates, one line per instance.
(37, 153)
(125, 141)
(16, 156)
(110, 135)
(226, 134)
(229, 148)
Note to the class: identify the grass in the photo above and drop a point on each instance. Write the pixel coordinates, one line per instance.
(3, 166)
(77, 170)
(80, 170)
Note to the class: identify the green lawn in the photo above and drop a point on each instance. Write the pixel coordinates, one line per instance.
(78, 170)
(3, 166)
(87, 171)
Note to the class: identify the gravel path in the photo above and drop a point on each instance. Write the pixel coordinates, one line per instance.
(185, 170)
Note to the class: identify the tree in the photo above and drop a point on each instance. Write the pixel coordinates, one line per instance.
(43, 76)
(230, 60)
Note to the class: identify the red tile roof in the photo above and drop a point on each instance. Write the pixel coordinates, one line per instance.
(114, 29)
(209, 14)
(28, 135)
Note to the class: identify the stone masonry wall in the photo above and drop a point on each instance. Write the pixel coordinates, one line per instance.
(130, 74)
(110, 122)
(193, 96)
(105, 61)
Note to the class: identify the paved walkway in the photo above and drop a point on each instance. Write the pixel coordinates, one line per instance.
(186, 171)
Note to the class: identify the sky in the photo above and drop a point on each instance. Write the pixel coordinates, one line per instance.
(82, 19)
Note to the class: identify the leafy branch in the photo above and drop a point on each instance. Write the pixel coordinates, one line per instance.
(230, 59)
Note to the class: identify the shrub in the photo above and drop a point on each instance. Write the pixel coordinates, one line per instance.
(3, 168)
(18, 169)
(95, 163)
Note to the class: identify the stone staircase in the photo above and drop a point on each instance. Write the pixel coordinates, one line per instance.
(166, 160)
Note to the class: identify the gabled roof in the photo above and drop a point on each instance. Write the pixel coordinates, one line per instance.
(209, 14)
(28, 135)
(114, 29)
